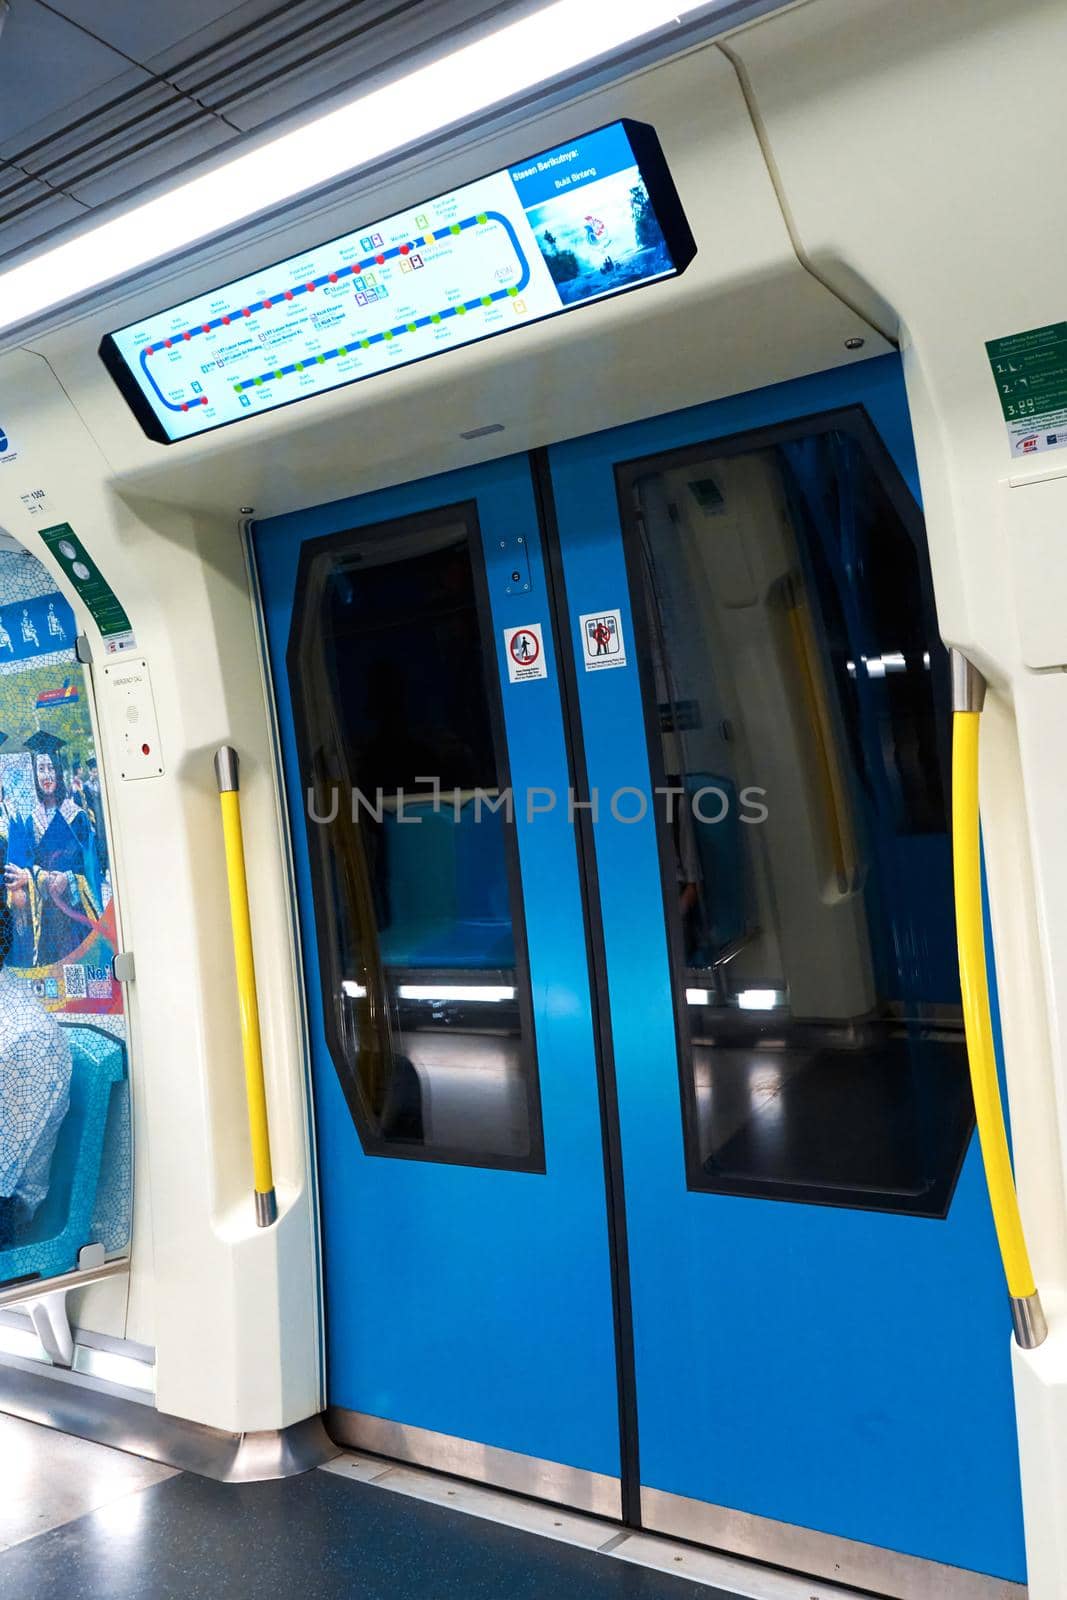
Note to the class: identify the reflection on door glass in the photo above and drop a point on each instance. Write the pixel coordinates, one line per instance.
(798, 695)
(417, 907)
(65, 1145)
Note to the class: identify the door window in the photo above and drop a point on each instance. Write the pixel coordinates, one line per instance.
(797, 696)
(417, 902)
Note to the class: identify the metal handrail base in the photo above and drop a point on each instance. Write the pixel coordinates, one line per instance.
(34, 1288)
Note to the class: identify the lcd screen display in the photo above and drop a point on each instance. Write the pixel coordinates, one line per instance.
(590, 218)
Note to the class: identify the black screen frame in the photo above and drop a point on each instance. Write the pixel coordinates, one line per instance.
(666, 203)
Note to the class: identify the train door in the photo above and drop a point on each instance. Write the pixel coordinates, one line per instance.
(470, 1308)
(618, 783)
(820, 1332)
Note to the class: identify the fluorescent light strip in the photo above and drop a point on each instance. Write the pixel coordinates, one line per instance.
(509, 62)
(760, 999)
(457, 991)
(436, 991)
(746, 999)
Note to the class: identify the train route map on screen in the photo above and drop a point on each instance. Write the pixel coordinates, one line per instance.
(569, 225)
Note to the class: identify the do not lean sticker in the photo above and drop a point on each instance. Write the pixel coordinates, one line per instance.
(526, 653)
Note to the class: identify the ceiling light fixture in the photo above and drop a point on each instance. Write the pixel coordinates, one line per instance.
(515, 59)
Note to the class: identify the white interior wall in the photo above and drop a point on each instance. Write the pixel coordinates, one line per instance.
(914, 144)
(231, 1310)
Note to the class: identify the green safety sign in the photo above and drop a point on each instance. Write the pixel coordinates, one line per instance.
(99, 597)
(1030, 370)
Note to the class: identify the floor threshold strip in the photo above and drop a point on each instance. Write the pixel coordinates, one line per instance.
(709, 1568)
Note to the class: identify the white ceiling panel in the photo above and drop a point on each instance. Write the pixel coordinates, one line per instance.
(27, 205)
(99, 98)
(174, 136)
(318, 47)
(46, 64)
(143, 30)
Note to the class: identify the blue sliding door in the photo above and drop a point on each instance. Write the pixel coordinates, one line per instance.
(820, 1328)
(461, 1159)
(618, 783)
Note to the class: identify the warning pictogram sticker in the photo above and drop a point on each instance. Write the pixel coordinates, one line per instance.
(526, 653)
(602, 640)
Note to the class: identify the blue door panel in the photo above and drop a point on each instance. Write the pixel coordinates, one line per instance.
(471, 1301)
(843, 1370)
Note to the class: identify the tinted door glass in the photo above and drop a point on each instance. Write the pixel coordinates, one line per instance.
(796, 691)
(417, 901)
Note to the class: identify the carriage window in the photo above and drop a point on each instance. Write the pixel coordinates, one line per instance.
(417, 901)
(798, 702)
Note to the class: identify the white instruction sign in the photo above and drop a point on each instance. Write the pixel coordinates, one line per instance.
(526, 653)
(602, 640)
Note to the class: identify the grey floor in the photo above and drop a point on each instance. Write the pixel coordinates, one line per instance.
(80, 1521)
(48, 1479)
(83, 1521)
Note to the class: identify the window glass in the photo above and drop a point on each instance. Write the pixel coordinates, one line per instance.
(417, 907)
(798, 696)
(65, 1143)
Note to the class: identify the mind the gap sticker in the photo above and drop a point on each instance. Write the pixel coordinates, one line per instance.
(525, 652)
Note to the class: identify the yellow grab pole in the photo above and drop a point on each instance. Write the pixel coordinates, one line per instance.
(226, 772)
(968, 694)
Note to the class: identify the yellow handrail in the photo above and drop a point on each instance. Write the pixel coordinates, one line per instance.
(226, 772)
(1027, 1314)
(834, 789)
